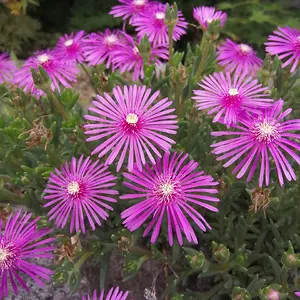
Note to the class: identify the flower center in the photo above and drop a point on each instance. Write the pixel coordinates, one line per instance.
(245, 48)
(69, 43)
(160, 15)
(111, 39)
(166, 190)
(233, 92)
(73, 188)
(7, 256)
(209, 20)
(43, 58)
(139, 2)
(132, 119)
(266, 130)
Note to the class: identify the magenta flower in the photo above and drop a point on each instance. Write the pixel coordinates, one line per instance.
(228, 97)
(128, 58)
(239, 58)
(152, 24)
(70, 47)
(7, 68)
(78, 191)
(259, 138)
(286, 43)
(205, 15)
(113, 294)
(129, 9)
(21, 241)
(59, 71)
(101, 47)
(297, 294)
(131, 124)
(171, 188)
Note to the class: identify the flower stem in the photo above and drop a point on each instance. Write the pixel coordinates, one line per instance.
(170, 33)
(204, 47)
(81, 261)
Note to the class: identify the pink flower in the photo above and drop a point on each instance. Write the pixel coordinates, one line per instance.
(227, 97)
(259, 138)
(70, 47)
(59, 71)
(173, 188)
(240, 58)
(152, 24)
(78, 191)
(100, 47)
(205, 15)
(128, 58)
(286, 43)
(129, 9)
(7, 68)
(297, 294)
(113, 294)
(131, 123)
(20, 242)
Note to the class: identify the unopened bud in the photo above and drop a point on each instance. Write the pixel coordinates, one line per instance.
(271, 292)
(196, 261)
(220, 253)
(239, 293)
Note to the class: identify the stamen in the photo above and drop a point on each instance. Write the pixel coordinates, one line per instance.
(111, 39)
(43, 58)
(69, 43)
(73, 188)
(245, 48)
(160, 15)
(139, 2)
(7, 255)
(132, 119)
(266, 130)
(233, 92)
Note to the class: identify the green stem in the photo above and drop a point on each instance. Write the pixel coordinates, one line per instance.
(170, 33)
(8, 196)
(81, 261)
(87, 73)
(139, 250)
(204, 47)
(56, 104)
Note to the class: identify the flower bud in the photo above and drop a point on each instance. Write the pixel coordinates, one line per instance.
(290, 259)
(271, 292)
(220, 253)
(196, 261)
(239, 293)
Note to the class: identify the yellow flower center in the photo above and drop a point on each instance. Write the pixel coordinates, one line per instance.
(73, 188)
(166, 189)
(233, 92)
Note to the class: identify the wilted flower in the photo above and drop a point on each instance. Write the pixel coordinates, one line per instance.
(78, 191)
(228, 97)
(258, 136)
(286, 43)
(113, 294)
(59, 71)
(21, 241)
(153, 25)
(100, 47)
(131, 8)
(206, 15)
(70, 47)
(130, 124)
(240, 58)
(171, 188)
(7, 68)
(128, 58)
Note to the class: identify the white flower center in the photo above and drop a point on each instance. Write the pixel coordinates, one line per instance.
(209, 20)
(111, 39)
(73, 188)
(3, 255)
(132, 119)
(160, 15)
(139, 2)
(7, 257)
(266, 130)
(233, 92)
(43, 58)
(166, 189)
(69, 43)
(245, 48)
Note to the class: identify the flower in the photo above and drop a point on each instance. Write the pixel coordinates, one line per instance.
(286, 43)
(240, 58)
(80, 190)
(100, 47)
(297, 294)
(128, 58)
(131, 8)
(113, 294)
(130, 124)
(59, 71)
(206, 15)
(152, 24)
(228, 97)
(172, 188)
(7, 68)
(21, 241)
(70, 47)
(258, 137)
